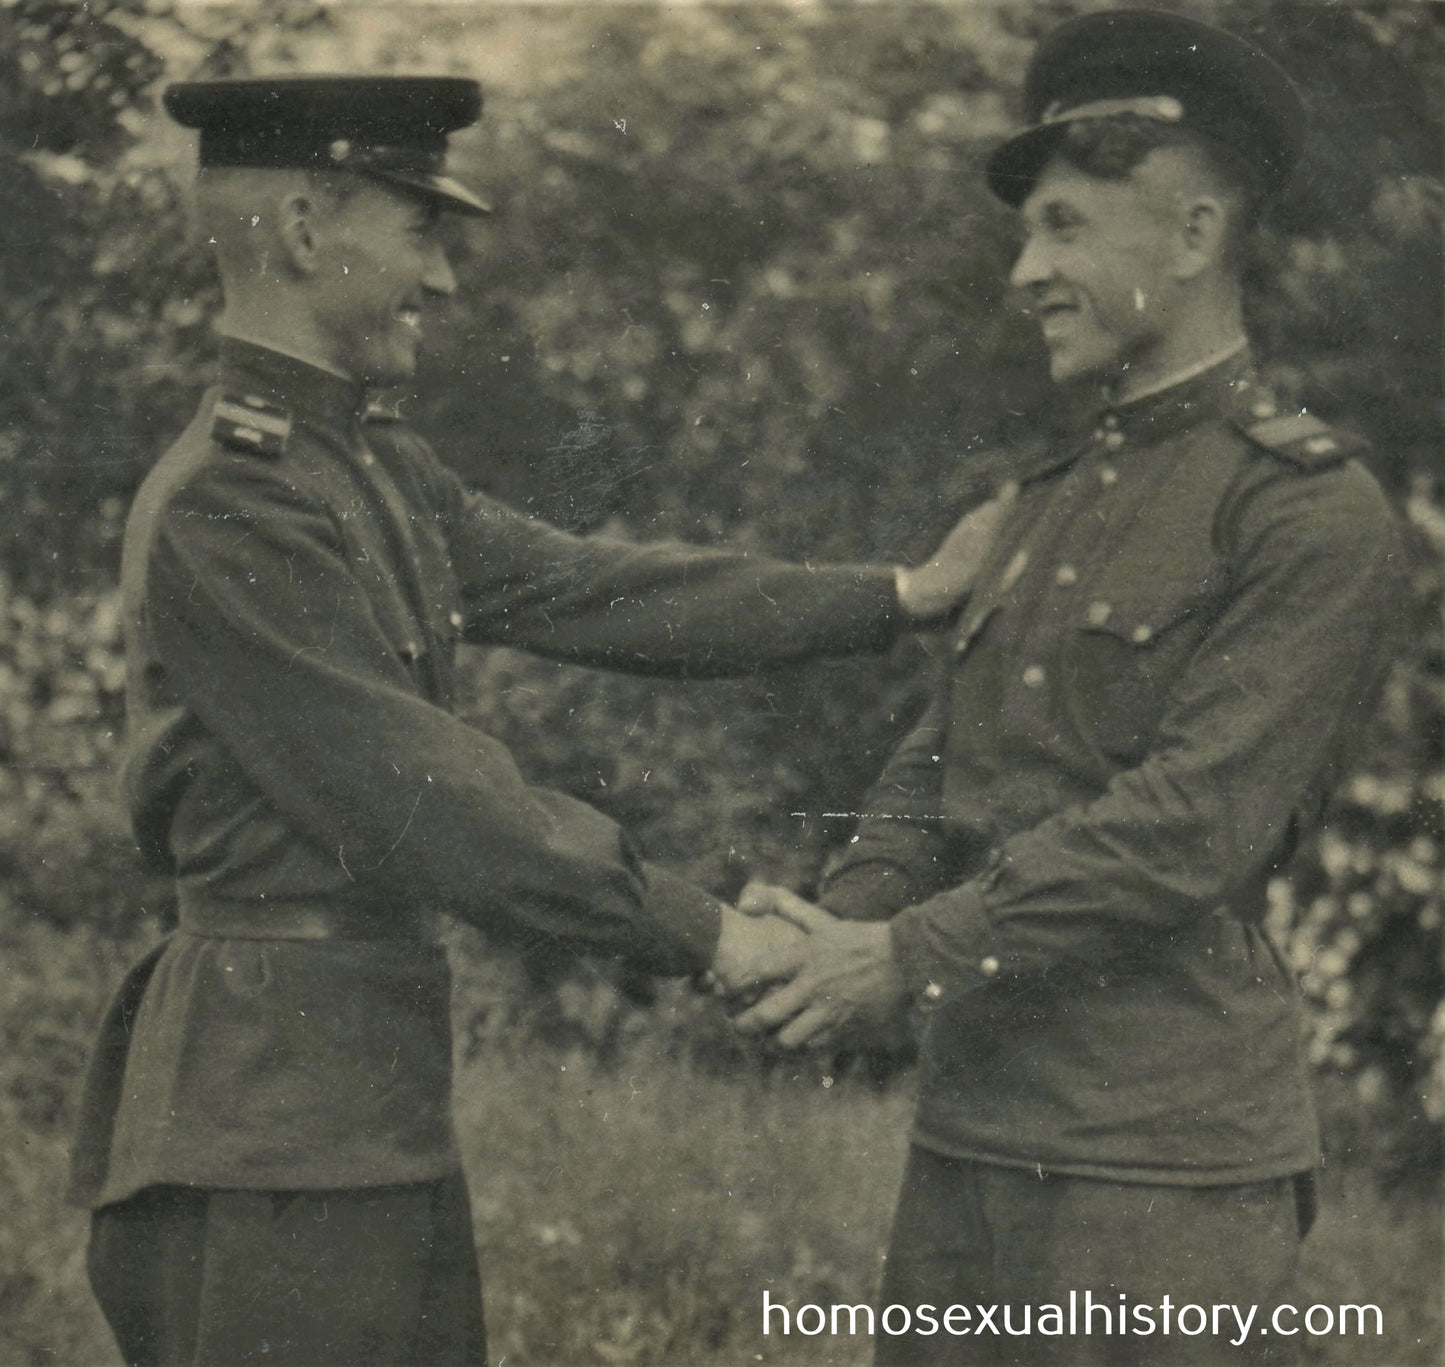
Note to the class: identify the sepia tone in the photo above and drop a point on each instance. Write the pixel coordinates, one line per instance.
(745, 286)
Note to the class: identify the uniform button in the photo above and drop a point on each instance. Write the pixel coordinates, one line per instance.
(1263, 408)
(1108, 476)
(1066, 576)
(988, 967)
(1111, 421)
(1034, 676)
(1098, 434)
(933, 992)
(1099, 613)
(456, 620)
(1114, 440)
(1140, 634)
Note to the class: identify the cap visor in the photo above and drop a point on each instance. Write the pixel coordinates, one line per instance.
(443, 190)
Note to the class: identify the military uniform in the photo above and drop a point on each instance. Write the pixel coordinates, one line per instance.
(1185, 619)
(1183, 623)
(293, 758)
(266, 1134)
(296, 578)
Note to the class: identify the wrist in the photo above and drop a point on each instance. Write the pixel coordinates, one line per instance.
(886, 991)
(724, 947)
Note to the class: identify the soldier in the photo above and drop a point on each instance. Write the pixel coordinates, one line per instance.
(266, 1138)
(1180, 625)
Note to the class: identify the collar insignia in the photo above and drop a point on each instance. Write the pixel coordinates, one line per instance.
(247, 423)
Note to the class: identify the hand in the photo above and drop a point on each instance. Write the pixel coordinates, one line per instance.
(846, 977)
(755, 949)
(947, 578)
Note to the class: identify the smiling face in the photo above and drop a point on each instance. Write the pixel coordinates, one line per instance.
(1099, 270)
(378, 262)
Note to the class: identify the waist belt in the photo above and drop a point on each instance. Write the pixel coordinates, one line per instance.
(303, 921)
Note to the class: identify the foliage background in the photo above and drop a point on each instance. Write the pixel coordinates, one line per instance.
(745, 286)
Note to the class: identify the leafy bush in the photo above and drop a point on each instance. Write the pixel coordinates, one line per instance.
(1361, 919)
(66, 856)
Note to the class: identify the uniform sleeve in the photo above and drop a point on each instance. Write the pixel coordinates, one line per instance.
(1250, 743)
(661, 608)
(268, 630)
(898, 854)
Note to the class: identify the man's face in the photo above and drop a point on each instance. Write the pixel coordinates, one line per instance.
(379, 262)
(1096, 271)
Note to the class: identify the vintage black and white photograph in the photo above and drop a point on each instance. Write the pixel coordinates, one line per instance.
(704, 684)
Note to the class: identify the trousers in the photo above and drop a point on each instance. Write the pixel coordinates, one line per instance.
(978, 1235)
(362, 1277)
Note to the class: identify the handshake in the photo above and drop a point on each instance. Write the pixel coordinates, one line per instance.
(821, 979)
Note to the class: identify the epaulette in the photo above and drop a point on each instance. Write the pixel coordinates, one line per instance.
(247, 423)
(1303, 440)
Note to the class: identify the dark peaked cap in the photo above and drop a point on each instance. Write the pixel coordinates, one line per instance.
(1158, 66)
(391, 127)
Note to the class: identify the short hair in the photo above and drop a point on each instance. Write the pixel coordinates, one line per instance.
(227, 200)
(1110, 147)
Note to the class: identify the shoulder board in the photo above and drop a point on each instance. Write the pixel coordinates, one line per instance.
(1303, 440)
(254, 425)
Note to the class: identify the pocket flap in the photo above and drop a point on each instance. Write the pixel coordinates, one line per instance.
(1139, 613)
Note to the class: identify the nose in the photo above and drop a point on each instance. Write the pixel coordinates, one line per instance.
(438, 278)
(1032, 269)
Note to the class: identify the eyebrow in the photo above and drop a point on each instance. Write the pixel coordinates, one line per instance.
(1052, 209)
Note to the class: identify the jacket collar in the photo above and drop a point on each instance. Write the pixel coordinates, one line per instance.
(313, 396)
(1200, 397)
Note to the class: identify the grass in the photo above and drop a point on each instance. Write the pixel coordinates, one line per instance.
(628, 1212)
(55, 983)
(636, 1215)
(1367, 1247)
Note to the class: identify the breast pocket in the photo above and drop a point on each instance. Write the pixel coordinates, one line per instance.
(1129, 650)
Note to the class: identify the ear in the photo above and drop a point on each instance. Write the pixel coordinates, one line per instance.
(1201, 236)
(296, 223)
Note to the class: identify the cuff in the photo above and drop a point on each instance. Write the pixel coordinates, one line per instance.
(942, 946)
(693, 919)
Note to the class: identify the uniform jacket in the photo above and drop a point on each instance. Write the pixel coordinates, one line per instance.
(295, 582)
(1145, 704)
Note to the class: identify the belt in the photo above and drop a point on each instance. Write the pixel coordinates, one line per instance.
(303, 921)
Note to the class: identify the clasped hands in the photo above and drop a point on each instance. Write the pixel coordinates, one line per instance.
(821, 978)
